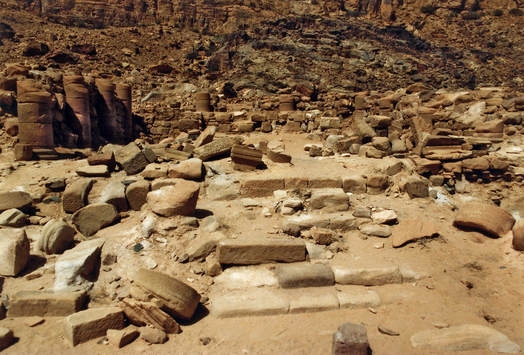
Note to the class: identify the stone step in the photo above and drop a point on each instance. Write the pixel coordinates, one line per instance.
(260, 251)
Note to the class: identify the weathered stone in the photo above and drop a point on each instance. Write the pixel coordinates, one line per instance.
(56, 237)
(376, 230)
(479, 163)
(6, 337)
(259, 304)
(412, 229)
(131, 158)
(23, 152)
(13, 218)
(92, 323)
(330, 200)
(107, 158)
(75, 266)
(114, 193)
(171, 295)
(121, 338)
(223, 188)
(206, 136)
(154, 171)
(147, 313)
(362, 299)
(371, 152)
(324, 183)
(309, 304)
(304, 275)
(136, 194)
(377, 184)
(426, 165)
(261, 187)
(463, 338)
(416, 187)
(14, 251)
(386, 216)
(46, 303)
(250, 252)
(518, 235)
(278, 157)
(75, 195)
(15, 199)
(187, 169)
(367, 276)
(90, 219)
(153, 335)
(355, 184)
(350, 339)
(213, 267)
(217, 147)
(381, 143)
(93, 171)
(343, 223)
(324, 236)
(180, 199)
(488, 218)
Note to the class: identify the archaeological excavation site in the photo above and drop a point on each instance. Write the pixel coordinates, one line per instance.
(261, 177)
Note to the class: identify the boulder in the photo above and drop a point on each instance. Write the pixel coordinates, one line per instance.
(136, 194)
(92, 323)
(488, 218)
(75, 266)
(75, 195)
(412, 229)
(15, 199)
(56, 237)
(170, 295)
(14, 251)
(13, 218)
(114, 193)
(188, 169)
(92, 218)
(180, 199)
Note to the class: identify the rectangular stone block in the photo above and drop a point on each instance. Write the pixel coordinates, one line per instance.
(304, 275)
(247, 306)
(347, 275)
(325, 183)
(46, 303)
(260, 251)
(295, 183)
(92, 323)
(362, 299)
(260, 187)
(309, 304)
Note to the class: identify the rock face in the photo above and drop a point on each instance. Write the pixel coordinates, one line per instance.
(350, 339)
(180, 199)
(412, 229)
(463, 338)
(172, 296)
(14, 251)
(94, 217)
(92, 323)
(488, 218)
(56, 237)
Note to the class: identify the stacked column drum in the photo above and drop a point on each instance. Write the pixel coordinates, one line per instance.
(203, 102)
(77, 97)
(113, 130)
(123, 92)
(287, 102)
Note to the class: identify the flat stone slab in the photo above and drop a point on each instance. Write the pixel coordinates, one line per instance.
(488, 218)
(359, 299)
(46, 303)
(93, 170)
(260, 251)
(309, 304)
(257, 304)
(241, 277)
(412, 229)
(304, 275)
(463, 338)
(92, 323)
(347, 275)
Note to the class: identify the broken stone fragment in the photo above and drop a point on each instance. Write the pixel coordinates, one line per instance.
(92, 218)
(488, 218)
(179, 199)
(147, 313)
(75, 195)
(350, 339)
(15, 199)
(92, 323)
(56, 237)
(412, 229)
(14, 251)
(13, 218)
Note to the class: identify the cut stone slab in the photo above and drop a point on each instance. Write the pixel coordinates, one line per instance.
(15, 199)
(330, 200)
(260, 251)
(136, 194)
(463, 338)
(13, 218)
(90, 219)
(386, 216)
(179, 199)
(46, 303)
(93, 171)
(74, 267)
(56, 237)
(412, 229)
(309, 304)
(14, 251)
(256, 304)
(147, 313)
(107, 158)
(355, 300)
(217, 147)
(171, 295)
(488, 218)
(350, 339)
(347, 275)
(6, 337)
(92, 323)
(114, 193)
(75, 195)
(304, 275)
(122, 337)
(188, 169)
(376, 230)
(241, 277)
(261, 187)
